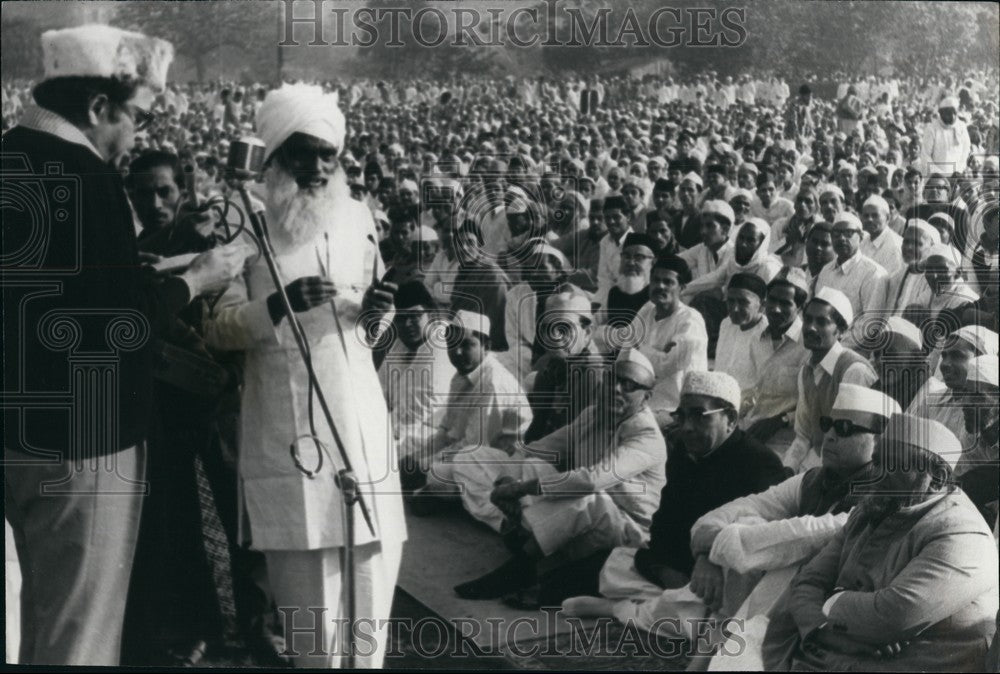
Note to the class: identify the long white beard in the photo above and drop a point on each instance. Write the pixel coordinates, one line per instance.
(296, 216)
(630, 284)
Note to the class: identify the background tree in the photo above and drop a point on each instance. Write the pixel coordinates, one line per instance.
(198, 29)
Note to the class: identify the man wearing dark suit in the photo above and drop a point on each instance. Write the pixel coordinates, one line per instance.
(80, 315)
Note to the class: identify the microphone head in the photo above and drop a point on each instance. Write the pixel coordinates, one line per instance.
(246, 158)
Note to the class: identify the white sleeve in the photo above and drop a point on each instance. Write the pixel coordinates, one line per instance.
(236, 322)
(779, 502)
(773, 545)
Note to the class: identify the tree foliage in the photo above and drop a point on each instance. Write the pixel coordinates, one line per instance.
(198, 29)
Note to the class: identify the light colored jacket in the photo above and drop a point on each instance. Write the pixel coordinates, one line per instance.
(926, 575)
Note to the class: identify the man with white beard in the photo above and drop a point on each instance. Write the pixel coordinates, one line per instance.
(296, 509)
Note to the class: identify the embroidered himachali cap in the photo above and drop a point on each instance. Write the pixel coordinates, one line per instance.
(634, 366)
(838, 301)
(719, 208)
(918, 433)
(96, 50)
(713, 384)
(471, 321)
(906, 330)
(300, 108)
(864, 406)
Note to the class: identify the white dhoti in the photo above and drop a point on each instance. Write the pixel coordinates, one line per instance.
(307, 586)
(745, 653)
(579, 526)
(672, 612)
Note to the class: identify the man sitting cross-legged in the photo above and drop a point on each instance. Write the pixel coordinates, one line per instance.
(773, 530)
(486, 407)
(776, 531)
(909, 583)
(589, 486)
(713, 463)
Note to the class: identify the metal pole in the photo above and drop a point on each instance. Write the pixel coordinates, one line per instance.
(300, 341)
(349, 489)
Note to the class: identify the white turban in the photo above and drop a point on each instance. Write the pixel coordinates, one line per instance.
(300, 108)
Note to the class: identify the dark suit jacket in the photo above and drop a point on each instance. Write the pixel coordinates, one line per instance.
(77, 301)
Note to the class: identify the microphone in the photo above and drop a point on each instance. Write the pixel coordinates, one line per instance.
(246, 158)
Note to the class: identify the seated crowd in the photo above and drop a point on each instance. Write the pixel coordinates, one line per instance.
(696, 401)
(692, 373)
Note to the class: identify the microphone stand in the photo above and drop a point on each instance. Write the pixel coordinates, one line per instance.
(345, 480)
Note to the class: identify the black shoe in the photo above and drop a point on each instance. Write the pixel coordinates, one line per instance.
(516, 573)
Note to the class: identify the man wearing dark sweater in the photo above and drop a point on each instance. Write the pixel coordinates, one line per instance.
(712, 463)
(80, 317)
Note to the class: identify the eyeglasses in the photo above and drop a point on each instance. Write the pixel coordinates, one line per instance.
(695, 414)
(141, 119)
(635, 257)
(842, 427)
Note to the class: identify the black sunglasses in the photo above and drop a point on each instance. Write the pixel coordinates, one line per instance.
(842, 427)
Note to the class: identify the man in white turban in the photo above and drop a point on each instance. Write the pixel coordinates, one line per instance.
(326, 241)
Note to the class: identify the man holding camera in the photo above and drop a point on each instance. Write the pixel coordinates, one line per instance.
(75, 454)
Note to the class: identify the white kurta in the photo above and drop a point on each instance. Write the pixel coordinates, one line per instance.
(287, 509)
(675, 345)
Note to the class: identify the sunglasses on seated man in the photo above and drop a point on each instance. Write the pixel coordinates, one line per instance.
(842, 427)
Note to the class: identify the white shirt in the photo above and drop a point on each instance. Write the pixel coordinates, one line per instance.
(702, 260)
(780, 208)
(486, 408)
(416, 384)
(860, 278)
(905, 288)
(886, 250)
(801, 455)
(496, 233)
(674, 345)
(609, 262)
(440, 277)
(731, 355)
